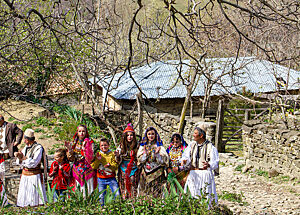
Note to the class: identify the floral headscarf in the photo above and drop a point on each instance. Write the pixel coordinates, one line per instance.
(183, 143)
(145, 138)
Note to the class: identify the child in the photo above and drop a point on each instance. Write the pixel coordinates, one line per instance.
(61, 171)
(106, 166)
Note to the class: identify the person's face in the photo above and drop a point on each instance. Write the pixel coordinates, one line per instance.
(58, 157)
(104, 146)
(129, 137)
(81, 133)
(28, 142)
(196, 135)
(151, 135)
(176, 141)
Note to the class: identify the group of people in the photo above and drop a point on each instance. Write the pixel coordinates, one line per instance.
(133, 169)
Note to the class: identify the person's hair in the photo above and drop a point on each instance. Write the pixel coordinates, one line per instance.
(104, 140)
(124, 143)
(176, 135)
(29, 138)
(1, 118)
(201, 132)
(62, 153)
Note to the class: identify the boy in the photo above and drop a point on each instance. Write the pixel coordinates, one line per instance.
(106, 166)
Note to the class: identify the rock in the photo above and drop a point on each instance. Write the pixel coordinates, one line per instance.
(272, 173)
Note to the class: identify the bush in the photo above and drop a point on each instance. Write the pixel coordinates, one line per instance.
(28, 125)
(44, 121)
(38, 130)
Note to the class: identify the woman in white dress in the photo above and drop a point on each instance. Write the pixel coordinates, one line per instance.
(32, 182)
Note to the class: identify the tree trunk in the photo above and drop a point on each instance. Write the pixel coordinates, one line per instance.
(186, 101)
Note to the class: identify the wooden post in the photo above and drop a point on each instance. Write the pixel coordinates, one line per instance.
(247, 115)
(140, 114)
(219, 127)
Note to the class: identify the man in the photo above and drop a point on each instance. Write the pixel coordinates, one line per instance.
(32, 182)
(10, 138)
(203, 158)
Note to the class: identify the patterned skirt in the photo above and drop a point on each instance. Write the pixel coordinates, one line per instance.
(152, 184)
(134, 179)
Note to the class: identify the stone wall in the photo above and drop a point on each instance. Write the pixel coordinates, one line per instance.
(272, 147)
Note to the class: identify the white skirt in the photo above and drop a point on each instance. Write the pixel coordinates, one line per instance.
(28, 194)
(90, 186)
(201, 181)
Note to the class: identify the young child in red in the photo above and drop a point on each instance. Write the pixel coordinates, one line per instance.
(61, 171)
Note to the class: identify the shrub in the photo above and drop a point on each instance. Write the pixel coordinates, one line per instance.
(38, 130)
(28, 125)
(44, 121)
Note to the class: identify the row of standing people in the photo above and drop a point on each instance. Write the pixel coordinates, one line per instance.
(141, 167)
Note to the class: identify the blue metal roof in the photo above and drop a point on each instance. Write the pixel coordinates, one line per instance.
(160, 79)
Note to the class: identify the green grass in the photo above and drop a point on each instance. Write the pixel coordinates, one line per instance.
(261, 173)
(10, 119)
(233, 197)
(39, 130)
(239, 167)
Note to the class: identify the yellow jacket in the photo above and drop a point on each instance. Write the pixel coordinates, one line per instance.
(106, 158)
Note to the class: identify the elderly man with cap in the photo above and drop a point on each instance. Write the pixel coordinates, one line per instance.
(32, 182)
(203, 158)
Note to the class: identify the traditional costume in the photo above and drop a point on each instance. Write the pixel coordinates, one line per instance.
(82, 157)
(152, 166)
(201, 181)
(106, 175)
(62, 174)
(32, 187)
(175, 154)
(128, 173)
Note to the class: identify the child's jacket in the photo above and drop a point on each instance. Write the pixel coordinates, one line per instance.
(106, 158)
(61, 176)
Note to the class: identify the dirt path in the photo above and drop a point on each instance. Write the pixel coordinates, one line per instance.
(24, 111)
(261, 195)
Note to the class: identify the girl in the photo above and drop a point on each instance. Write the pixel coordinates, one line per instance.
(175, 151)
(128, 173)
(152, 158)
(81, 152)
(61, 171)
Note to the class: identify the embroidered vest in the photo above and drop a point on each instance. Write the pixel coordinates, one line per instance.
(200, 153)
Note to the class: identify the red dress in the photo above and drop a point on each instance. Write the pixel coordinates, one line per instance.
(61, 176)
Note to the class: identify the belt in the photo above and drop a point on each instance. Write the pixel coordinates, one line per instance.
(33, 171)
(194, 168)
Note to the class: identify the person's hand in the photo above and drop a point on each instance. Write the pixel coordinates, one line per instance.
(175, 170)
(16, 154)
(55, 168)
(117, 154)
(20, 156)
(107, 165)
(98, 156)
(157, 150)
(16, 143)
(183, 163)
(68, 146)
(205, 165)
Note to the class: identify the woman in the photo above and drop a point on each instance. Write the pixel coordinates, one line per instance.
(128, 173)
(152, 159)
(81, 152)
(175, 151)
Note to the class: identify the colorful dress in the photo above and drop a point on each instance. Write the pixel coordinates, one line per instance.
(152, 166)
(82, 170)
(175, 154)
(128, 174)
